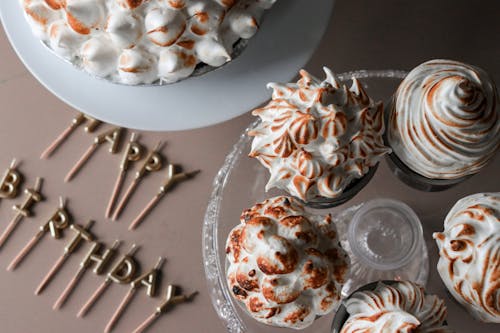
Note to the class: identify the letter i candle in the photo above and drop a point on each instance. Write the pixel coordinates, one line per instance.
(33, 196)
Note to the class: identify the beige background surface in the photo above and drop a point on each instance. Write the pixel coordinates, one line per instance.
(362, 34)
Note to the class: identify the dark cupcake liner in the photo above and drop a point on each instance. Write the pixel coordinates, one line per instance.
(417, 181)
(349, 192)
(407, 175)
(342, 315)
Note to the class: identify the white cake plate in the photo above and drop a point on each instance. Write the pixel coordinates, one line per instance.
(290, 33)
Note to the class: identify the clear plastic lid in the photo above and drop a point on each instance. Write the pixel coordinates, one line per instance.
(385, 234)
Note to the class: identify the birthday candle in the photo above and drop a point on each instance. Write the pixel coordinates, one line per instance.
(10, 181)
(133, 152)
(170, 300)
(112, 136)
(171, 180)
(77, 121)
(93, 257)
(81, 234)
(55, 225)
(121, 273)
(152, 163)
(149, 280)
(32, 196)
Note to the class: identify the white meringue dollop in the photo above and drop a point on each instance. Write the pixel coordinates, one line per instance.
(63, 40)
(124, 29)
(136, 66)
(99, 56)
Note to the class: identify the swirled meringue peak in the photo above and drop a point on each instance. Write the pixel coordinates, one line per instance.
(286, 266)
(316, 137)
(469, 249)
(174, 36)
(444, 121)
(402, 307)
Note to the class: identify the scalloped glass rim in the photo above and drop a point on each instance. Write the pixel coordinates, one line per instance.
(214, 268)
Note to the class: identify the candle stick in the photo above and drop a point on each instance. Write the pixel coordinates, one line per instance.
(170, 300)
(9, 183)
(122, 273)
(32, 196)
(112, 136)
(92, 257)
(55, 225)
(152, 163)
(171, 180)
(81, 234)
(132, 153)
(149, 280)
(77, 121)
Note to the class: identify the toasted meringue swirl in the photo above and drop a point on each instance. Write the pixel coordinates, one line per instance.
(285, 265)
(316, 137)
(399, 308)
(469, 249)
(173, 35)
(444, 120)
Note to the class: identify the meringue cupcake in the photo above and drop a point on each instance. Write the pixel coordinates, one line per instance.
(391, 307)
(285, 266)
(177, 38)
(469, 250)
(443, 124)
(320, 140)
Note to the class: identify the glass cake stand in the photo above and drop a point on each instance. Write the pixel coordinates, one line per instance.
(240, 184)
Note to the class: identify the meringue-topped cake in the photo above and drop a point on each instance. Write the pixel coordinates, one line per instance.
(144, 41)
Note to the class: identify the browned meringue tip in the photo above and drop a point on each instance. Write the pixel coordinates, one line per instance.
(254, 133)
(257, 112)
